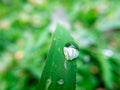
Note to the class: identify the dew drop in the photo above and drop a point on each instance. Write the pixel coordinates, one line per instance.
(86, 58)
(48, 82)
(65, 64)
(70, 52)
(108, 52)
(61, 82)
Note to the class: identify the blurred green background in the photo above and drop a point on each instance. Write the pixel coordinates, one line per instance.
(26, 28)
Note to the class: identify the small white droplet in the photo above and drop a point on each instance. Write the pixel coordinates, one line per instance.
(70, 52)
(61, 82)
(65, 64)
(108, 52)
(86, 58)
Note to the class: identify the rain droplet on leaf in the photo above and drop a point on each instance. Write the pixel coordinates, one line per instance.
(108, 52)
(70, 52)
(61, 82)
(48, 82)
(65, 64)
(86, 58)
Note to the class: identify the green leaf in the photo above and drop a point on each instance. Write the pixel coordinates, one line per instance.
(59, 73)
(106, 71)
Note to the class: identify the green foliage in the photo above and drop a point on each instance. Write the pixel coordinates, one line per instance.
(58, 73)
(26, 28)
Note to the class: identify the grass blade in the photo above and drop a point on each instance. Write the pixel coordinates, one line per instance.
(59, 73)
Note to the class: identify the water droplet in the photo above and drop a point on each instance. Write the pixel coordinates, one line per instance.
(65, 64)
(49, 81)
(108, 52)
(70, 52)
(86, 58)
(61, 82)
